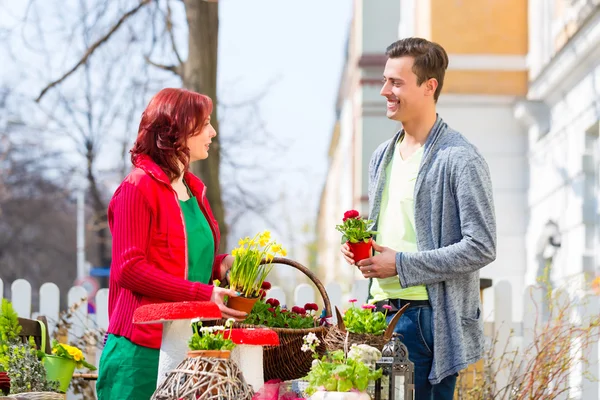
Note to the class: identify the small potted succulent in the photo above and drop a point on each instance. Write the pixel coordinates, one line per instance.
(251, 265)
(356, 234)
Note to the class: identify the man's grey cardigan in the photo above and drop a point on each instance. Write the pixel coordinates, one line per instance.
(456, 236)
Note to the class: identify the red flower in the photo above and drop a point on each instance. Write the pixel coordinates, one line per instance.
(262, 294)
(273, 302)
(311, 306)
(271, 310)
(265, 285)
(350, 214)
(299, 310)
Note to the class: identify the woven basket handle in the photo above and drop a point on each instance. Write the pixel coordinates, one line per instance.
(310, 275)
(387, 335)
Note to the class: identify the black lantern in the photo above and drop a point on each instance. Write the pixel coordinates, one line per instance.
(397, 381)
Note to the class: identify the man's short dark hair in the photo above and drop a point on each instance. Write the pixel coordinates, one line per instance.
(430, 58)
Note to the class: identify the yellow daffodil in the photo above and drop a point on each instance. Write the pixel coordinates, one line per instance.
(283, 252)
(269, 257)
(276, 248)
(234, 252)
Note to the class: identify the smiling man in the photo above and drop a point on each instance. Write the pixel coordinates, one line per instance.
(430, 197)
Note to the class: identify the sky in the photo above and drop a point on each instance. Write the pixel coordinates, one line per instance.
(295, 47)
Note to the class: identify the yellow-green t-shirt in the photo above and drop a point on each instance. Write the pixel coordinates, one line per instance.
(396, 223)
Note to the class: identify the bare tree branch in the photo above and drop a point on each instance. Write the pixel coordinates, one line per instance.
(93, 47)
(173, 68)
(169, 25)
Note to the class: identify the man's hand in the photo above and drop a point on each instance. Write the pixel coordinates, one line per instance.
(382, 265)
(217, 297)
(348, 256)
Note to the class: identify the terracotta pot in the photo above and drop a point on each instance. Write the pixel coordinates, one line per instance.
(224, 354)
(361, 250)
(240, 303)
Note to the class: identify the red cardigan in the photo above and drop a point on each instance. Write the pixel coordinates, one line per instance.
(149, 249)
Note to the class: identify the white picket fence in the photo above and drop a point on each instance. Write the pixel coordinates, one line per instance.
(519, 334)
(49, 302)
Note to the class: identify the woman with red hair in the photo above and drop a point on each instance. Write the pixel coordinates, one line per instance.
(165, 240)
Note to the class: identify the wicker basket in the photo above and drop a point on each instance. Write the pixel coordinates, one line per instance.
(337, 335)
(286, 361)
(36, 396)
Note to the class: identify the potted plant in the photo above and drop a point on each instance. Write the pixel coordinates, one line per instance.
(251, 265)
(356, 234)
(209, 341)
(4, 382)
(23, 370)
(341, 376)
(270, 313)
(61, 364)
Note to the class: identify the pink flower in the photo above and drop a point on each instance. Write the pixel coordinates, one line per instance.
(387, 307)
(368, 306)
(350, 214)
(352, 301)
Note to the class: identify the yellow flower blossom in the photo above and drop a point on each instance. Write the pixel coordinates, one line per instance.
(276, 248)
(269, 257)
(234, 252)
(283, 252)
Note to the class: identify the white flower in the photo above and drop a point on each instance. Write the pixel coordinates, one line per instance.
(229, 322)
(305, 348)
(311, 338)
(219, 328)
(365, 353)
(194, 321)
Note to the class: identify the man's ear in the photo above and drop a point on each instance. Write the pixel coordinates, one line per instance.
(430, 86)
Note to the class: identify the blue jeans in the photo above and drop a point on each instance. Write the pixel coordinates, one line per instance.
(416, 328)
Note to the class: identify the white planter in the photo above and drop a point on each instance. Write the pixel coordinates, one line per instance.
(339, 396)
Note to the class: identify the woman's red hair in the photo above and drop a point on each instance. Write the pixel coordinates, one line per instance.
(172, 116)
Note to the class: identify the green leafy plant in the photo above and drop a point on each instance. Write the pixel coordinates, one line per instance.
(354, 228)
(210, 337)
(271, 314)
(339, 372)
(20, 360)
(365, 319)
(247, 274)
(9, 330)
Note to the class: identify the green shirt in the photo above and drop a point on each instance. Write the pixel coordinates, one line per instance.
(200, 242)
(396, 223)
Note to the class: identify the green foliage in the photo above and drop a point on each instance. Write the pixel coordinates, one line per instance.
(355, 230)
(210, 337)
(9, 330)
(271, 314)
(26, 372)
(365, 320)
(337, 372)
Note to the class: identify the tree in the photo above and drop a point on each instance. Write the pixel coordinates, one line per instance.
(37, 213)
(198, 73)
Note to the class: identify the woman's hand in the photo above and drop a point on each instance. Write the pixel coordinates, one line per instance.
(217, 297)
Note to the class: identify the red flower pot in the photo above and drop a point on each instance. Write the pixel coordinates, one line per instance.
(4, 383)
(361, 250)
